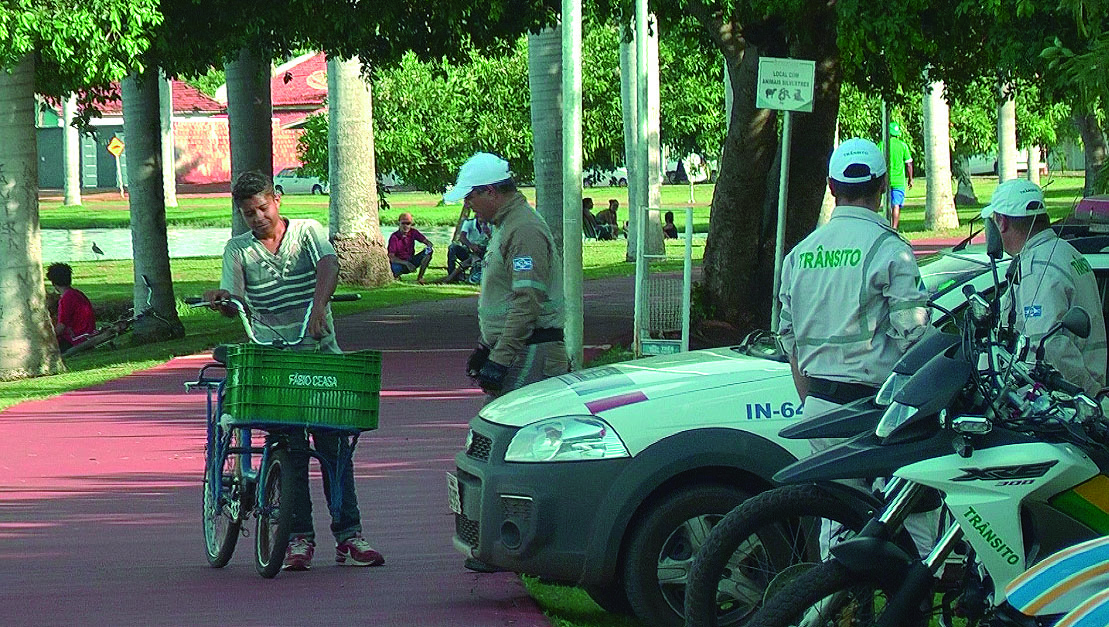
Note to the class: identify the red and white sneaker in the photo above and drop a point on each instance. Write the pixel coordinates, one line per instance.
(357, 552)
(298, 556)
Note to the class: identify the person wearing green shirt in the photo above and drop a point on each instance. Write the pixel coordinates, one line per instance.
(900, 173)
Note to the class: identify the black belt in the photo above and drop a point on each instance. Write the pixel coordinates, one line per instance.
(539, 336)
(839, 392)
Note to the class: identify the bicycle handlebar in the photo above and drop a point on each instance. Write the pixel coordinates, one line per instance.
(244, 317)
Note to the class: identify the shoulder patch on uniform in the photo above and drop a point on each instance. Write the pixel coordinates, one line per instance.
(1033, 311)
(521, 264)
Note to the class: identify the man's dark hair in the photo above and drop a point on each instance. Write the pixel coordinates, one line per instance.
(865, 190)
(587, 203)
(668, 216)
(506, 186)
(60, 274)
(251, 183)
(1030, 224)
(613, 201)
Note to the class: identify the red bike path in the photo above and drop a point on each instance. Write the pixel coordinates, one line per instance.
(100, 495)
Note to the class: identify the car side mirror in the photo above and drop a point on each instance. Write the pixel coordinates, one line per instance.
(995, 249)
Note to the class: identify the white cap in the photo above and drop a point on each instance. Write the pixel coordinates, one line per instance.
(1016, 198)
(481, 169)
(862, 157)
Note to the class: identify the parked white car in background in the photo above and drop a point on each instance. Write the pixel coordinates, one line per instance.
(294, 181)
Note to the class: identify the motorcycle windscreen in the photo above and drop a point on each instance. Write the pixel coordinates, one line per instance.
(846, 421)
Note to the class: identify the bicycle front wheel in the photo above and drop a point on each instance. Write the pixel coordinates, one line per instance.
(223, 499)
(275, 514)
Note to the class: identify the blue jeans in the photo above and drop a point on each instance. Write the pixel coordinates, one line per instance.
(416, 260)
(332, 447)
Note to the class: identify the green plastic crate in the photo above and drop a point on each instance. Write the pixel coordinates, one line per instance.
(270, 386)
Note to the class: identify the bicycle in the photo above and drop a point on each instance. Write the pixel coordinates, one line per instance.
(108, 333)
(279, 392)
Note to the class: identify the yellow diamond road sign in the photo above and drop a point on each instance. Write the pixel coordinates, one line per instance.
(115, 146)
(785, 84)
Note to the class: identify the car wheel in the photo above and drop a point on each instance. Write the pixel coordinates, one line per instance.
(278, 189)
(317, 190)
(660, 550)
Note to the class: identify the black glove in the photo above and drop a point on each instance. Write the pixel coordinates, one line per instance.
(477, 360)
(491, 376)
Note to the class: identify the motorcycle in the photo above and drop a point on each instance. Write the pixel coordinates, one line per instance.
(1010, 450)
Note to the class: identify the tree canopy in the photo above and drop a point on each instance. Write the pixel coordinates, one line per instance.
(430, 116)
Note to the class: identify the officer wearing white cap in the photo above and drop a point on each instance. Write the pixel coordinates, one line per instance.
(851, 297)
(520, 310)
(1050, 277)
(852, 301)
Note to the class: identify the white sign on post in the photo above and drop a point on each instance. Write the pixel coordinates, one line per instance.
(785, 84)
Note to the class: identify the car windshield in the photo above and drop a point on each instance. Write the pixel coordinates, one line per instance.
(945, 271)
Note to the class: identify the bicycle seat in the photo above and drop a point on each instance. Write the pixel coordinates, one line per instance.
(219, 353)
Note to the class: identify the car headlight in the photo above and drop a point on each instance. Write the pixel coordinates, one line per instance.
(891, 387)
(565, 439)
(894, 416)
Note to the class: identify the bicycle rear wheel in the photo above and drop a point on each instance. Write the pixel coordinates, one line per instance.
(223, 499)
(275, 514)
(94, 340)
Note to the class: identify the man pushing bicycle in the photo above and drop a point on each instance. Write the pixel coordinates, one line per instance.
(279, 270)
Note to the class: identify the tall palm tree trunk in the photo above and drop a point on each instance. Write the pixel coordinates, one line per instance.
(545, 83)
(27, 344)
(249, 114)
(939, 204)
(71, 147)
(148, 207)
(1006, 135)
(355, 223)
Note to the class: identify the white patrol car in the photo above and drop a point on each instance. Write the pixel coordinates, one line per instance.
(610, 478)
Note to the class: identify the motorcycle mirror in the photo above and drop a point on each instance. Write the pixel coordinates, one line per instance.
(995, 249)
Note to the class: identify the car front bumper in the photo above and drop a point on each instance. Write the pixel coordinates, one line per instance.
(533, 518)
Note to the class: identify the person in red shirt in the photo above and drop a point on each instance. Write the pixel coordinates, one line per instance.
(75, 315)
(402, 250)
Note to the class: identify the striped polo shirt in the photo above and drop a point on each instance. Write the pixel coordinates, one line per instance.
(279, 287)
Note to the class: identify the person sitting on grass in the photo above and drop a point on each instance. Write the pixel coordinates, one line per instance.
(608, 227)
(403, 257)
(669, 230)
(473, 239)
(76, 318)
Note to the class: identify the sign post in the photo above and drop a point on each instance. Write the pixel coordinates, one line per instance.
(785, 85)
(115, 146)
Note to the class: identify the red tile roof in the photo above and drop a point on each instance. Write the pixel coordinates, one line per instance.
(302, 84)
(186, 99)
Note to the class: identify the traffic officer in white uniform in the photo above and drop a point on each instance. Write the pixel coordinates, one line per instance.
(852, 301)
(1051, 277)
(520, 310)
